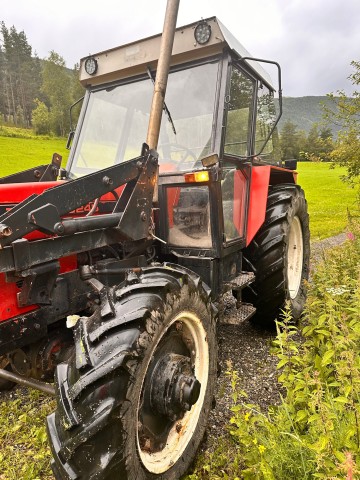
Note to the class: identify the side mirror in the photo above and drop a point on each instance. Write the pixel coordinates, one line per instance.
(291, 164)
(70, 139)
(72, 131)
(210, 160)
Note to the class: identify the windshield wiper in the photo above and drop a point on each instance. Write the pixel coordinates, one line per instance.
(165, 108)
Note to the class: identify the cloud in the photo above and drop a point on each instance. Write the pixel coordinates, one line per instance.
(314, 41)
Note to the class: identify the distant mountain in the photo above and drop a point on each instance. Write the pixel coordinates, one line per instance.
(304, 112)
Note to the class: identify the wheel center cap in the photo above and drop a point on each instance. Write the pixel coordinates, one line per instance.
(174, 387)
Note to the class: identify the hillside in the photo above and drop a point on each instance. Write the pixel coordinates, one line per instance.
(304, 111)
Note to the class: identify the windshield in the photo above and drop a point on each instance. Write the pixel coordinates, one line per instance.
(116, 121)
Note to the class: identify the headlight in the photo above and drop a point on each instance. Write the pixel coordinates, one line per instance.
(91, 66)
(202, 33)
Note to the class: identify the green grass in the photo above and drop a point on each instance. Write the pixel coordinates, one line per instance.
(19, 154)
(329, 198)
(24, 451)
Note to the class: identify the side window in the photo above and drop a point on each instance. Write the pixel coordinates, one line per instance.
(239, 110)
(233, 188)
(265, 119)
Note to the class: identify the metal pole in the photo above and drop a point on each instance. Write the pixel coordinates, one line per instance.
(28, 382)
(162, 73)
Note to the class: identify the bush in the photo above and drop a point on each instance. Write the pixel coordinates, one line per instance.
(41, 118)
(315, 431)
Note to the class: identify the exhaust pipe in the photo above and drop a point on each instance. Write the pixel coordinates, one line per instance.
(162, 73)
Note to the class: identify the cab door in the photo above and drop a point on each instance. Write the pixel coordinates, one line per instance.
(236, 149)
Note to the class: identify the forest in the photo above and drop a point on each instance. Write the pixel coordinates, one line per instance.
(34, 93)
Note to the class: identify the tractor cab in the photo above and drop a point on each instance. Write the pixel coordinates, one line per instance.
(218, 100)
(219, 114)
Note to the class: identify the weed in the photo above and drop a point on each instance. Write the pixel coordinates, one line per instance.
(24, 450)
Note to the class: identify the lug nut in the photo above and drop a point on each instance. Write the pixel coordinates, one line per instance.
(59, 228)
(107, 180)
(5, 231)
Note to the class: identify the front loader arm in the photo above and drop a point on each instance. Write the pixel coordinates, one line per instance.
(44, 212)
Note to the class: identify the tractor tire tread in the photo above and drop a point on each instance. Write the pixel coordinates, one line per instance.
(112, 349)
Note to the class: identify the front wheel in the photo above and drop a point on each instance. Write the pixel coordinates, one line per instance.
(134, 401)
(279, 255)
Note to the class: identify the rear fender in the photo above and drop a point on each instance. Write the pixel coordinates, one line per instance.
(261, 177)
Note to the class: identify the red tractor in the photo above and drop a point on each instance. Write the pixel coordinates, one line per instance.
(109, 275)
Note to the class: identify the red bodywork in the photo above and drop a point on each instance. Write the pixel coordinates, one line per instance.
(261, 178)
(8, 292)
(257, 200)
(10, 195)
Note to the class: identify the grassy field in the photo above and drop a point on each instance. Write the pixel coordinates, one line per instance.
(328, 197)
(18, 154)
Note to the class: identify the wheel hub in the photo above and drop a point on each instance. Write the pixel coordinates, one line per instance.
(175, 389)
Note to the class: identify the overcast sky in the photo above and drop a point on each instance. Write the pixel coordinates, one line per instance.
(313, 40)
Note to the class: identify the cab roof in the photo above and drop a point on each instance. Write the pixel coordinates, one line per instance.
(134, 58)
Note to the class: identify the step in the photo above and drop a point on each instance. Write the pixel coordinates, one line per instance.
(244, 312)
(242, 280)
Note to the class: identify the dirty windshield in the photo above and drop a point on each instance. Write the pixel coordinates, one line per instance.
(116, 121)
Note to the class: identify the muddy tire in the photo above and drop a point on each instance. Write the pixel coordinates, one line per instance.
(134, 400)
(279, 255)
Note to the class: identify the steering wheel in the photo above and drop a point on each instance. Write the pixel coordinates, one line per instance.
(185, 157)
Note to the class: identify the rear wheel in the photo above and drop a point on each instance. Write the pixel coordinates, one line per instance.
(279, 256)
(134, 400)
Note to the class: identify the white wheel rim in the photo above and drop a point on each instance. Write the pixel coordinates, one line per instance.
(160, 462)
(295, 254)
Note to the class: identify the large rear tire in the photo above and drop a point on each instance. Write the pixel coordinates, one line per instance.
(134, 400)
(279, 255)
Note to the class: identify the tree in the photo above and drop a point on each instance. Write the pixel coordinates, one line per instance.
(346, 113)
(19, 76)
(291, 141)
(41, 118)
(31, 89)
(318, 145)
(57, 86)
